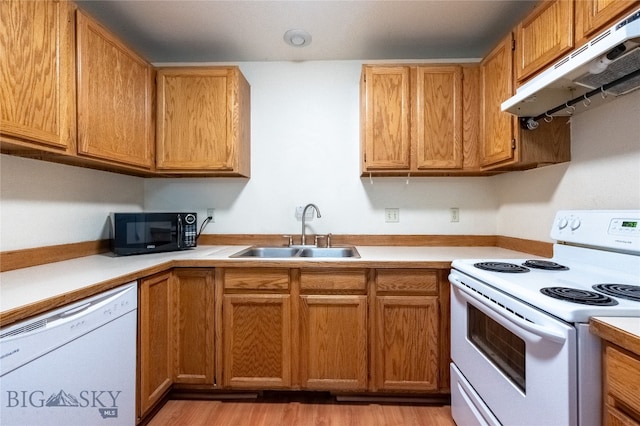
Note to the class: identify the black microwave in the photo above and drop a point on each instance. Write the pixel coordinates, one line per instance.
(139, 233)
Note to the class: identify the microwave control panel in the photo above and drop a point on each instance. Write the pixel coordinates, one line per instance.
(190, 230)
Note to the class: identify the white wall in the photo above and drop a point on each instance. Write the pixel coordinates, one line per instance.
(305, 149)
(46, 204)
(604, 173)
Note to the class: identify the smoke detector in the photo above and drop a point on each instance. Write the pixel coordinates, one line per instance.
(297, 38)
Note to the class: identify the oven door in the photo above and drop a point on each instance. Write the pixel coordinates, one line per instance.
(519, 362)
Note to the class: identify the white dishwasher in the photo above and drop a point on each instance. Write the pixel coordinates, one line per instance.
(75, 365)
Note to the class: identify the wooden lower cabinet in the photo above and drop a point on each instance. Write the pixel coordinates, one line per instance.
(407, 343)
(333, 330)
(257, 341)
(621, 396)
(333, 342)
(155, 340)
(256, 328)
(194, 354)
(375, 331)
(408, 324)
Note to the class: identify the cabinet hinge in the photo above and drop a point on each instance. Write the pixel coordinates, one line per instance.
(365, 157)
(513, 144)
(513, 44)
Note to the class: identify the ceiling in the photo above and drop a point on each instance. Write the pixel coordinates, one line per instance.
(234, 31)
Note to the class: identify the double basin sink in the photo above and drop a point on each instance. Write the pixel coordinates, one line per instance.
(299, 251)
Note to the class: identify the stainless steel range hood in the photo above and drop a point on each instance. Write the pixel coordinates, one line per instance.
(576, 81)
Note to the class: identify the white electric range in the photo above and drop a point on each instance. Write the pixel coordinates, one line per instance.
(520, 343)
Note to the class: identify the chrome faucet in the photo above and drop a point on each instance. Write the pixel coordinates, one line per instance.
(304, 214)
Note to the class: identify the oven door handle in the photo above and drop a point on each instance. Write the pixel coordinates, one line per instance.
(506, 319)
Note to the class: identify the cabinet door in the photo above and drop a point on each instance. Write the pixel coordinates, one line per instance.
(621, 385)
(115, 88)
(385, 118)
(155, 340)
(333, 342)
(194, 322)
(497, 144)
(203, 120)
(407, 343)
(543, 36)
(257, 341)
(438, 117)
(593, 16)
(37, 90)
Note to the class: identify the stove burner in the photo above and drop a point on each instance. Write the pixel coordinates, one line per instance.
(624, 291)
(545, 264)
(575, 295)
(501, 267)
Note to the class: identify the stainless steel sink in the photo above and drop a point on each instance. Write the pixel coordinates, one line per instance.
(268, 252)
(329, 252)
(289, 252)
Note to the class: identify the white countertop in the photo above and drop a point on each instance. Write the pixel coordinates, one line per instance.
(629, 325)
(36, 284)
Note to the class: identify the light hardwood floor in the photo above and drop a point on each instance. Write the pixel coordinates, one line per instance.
(299, 413)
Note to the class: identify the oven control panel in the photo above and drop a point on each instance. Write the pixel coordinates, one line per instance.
(624, 227)
(614, 229)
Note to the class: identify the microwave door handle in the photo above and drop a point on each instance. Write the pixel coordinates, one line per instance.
(511, 322)
(179, 236)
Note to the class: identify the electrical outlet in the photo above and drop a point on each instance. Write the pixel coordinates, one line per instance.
(211, 212)
(455, 214)
(311, 213)
(392, 215)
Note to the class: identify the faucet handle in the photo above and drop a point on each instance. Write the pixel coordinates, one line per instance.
(317, 237)
(329, 239)
(290, 237)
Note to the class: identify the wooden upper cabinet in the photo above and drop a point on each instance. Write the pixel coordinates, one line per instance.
(385, 118)
(593, 16)
(543, 36)
(504, 145)
(115, 98)
(411, 118)
(438, 117)
(497, 142)
(37, 90)
(203, 124)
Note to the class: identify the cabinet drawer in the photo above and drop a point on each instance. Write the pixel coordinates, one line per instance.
(333, 280)
(414, 281)
(622, 377)
(613, 417)
(256, 279)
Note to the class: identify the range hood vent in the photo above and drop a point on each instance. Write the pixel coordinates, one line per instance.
(604, 68)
